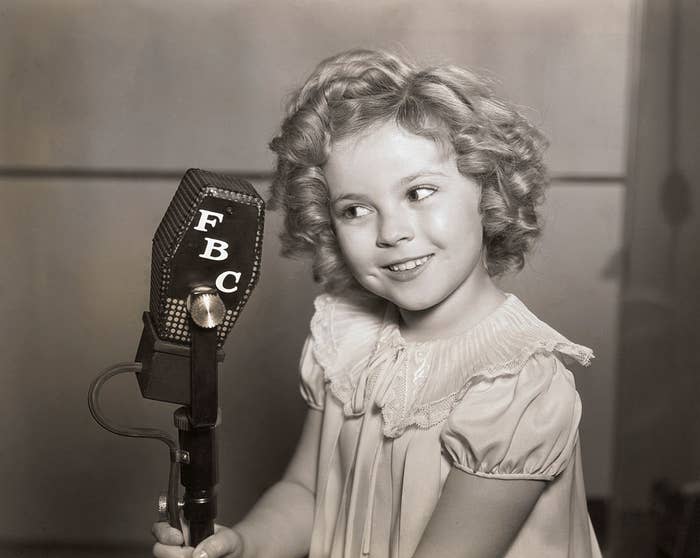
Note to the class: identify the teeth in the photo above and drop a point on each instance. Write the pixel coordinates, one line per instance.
(409, 265)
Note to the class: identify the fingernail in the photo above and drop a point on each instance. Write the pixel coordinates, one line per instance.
(200, 554)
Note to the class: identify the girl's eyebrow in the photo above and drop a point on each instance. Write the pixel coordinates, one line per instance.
(421, 174)
(350, 196)
(403, 181)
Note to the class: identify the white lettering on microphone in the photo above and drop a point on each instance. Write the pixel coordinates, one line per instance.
(206, 219)
(221, 278)
(215, 245)
(217, 250)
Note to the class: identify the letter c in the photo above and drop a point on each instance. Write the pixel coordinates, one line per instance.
(221, 278)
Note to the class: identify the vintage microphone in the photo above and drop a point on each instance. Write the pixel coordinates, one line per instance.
(205, 263)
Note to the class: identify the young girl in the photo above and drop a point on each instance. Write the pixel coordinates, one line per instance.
(441, 422)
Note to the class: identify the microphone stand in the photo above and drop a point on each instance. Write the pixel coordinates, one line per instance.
(197, 422)
(193, 268)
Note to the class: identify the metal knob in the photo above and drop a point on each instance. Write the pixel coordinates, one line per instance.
(163, 506)
(206, 307)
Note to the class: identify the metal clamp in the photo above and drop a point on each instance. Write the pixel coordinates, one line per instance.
(163, 506)
(182, 456)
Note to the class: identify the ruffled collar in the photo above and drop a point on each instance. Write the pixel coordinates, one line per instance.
(366, 360)
(501, 336)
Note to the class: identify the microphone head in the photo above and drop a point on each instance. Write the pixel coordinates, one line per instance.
(210, 236)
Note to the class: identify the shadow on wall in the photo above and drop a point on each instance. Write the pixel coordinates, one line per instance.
(657, 490)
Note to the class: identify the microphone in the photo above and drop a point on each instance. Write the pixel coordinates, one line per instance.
(210, 236)
(205, 263)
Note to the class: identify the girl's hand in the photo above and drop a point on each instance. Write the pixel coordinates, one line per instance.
(224, 542)
(169, 541)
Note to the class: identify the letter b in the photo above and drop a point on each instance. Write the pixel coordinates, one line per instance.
(215, 245)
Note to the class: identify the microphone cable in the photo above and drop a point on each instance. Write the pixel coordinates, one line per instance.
(134, 432)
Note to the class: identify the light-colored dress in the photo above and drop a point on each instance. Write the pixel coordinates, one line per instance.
(495, 402)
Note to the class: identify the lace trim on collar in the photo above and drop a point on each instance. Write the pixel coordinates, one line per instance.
(364, 357)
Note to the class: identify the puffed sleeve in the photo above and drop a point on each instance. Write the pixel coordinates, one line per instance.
(312, 384)
(522, 425)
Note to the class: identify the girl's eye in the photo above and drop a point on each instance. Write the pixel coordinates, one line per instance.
(421, 192)
(354, 211)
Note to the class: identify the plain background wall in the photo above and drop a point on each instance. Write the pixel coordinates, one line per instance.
(150, 88)
(657, 414)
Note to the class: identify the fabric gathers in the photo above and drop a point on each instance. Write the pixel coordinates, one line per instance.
(495, 401)
(522, 426)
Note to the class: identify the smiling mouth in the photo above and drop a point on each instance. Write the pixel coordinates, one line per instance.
(409, 264)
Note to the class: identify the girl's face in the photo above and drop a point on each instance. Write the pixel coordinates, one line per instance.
(407, 221)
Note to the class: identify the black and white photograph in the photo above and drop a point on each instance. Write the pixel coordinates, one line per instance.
(350, 279)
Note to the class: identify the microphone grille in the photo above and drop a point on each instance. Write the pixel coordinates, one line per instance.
(211, 235)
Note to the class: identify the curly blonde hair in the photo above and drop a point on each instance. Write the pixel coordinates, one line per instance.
(358, 89)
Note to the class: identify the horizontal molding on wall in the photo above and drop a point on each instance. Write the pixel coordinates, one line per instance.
(588, 179)
(62, 173)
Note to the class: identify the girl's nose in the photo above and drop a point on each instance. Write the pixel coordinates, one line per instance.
(392, 230)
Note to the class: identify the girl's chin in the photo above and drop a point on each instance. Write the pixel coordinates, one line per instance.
(411, 300)
(413, 304)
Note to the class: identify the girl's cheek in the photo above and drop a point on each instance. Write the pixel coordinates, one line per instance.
(348, 241)
(461, 215)
(355, 234)
(440, 224)
(440, 221)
